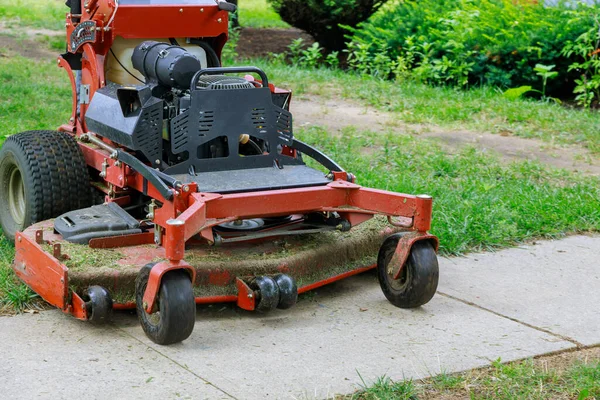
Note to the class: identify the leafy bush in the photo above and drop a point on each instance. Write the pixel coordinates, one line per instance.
(310, 57)
(586, 49)
(322, 18)
(467, 42)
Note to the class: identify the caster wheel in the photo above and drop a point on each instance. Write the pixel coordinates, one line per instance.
(99, 305)
(173, 322)
(419, 279)
(267, 293)
(288, 291)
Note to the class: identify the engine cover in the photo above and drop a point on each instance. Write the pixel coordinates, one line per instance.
(129, 116)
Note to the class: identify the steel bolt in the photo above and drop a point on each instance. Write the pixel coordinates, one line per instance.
(186, 188)
(250, 295)
(220, 20)
(181, 10)
(19, 239)
(145, 305)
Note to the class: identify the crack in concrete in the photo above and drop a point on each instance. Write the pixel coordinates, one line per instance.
(179, 364)
(537, 328)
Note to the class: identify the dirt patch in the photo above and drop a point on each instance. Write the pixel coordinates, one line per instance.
(14, 27)
(255, 42)
(572, 158)
(10, 46)
(337, 115)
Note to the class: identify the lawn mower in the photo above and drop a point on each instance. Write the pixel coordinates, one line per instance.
(178, 181)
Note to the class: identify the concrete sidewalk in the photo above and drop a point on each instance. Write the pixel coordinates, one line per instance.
(511, 304)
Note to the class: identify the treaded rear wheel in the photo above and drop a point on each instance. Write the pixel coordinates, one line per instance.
(42, 175)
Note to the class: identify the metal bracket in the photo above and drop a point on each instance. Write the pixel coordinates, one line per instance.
(84, 94)
(158, 234)
(105, 166)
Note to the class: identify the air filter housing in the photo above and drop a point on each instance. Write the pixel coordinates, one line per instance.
(222, 82)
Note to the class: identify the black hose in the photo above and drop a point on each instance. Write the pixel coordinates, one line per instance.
(211, 56)
(122, 66)
(255, 146)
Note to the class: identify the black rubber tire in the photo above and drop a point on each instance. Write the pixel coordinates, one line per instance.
(420, 275)
(174, 321)
(267, 293)
(99, 305)
(288, 291)
(54, 175)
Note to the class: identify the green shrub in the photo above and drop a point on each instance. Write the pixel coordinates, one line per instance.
(468, 42)
(586, 51)
(322, 18)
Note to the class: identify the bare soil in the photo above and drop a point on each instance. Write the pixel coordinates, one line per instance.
(10, 46)
(337, 114)
(255, 42)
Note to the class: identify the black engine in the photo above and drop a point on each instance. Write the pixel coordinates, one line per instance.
(187, 120)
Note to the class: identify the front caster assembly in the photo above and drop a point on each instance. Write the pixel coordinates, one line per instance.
(419, 277)
(175, 315)
(98, 304)
(279, 291)
(267, 293)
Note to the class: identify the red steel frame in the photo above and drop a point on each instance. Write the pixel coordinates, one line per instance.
(190, 213)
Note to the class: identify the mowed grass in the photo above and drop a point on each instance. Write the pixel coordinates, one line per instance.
(47, 14)
(478, 109)
(259, 14)
(519, 380)
(33, 95)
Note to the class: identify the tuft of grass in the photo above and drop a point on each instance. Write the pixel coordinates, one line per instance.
(479, 202)
(385, 388)
(14, 294)
(259, 14)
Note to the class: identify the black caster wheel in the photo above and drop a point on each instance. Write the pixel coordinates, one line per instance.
(267, 293)
(288, 291)
(419, 279)
(174, 319)
(98, 304)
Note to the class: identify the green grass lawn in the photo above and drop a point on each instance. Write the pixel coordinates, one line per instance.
(518, 380)
(47, 14)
